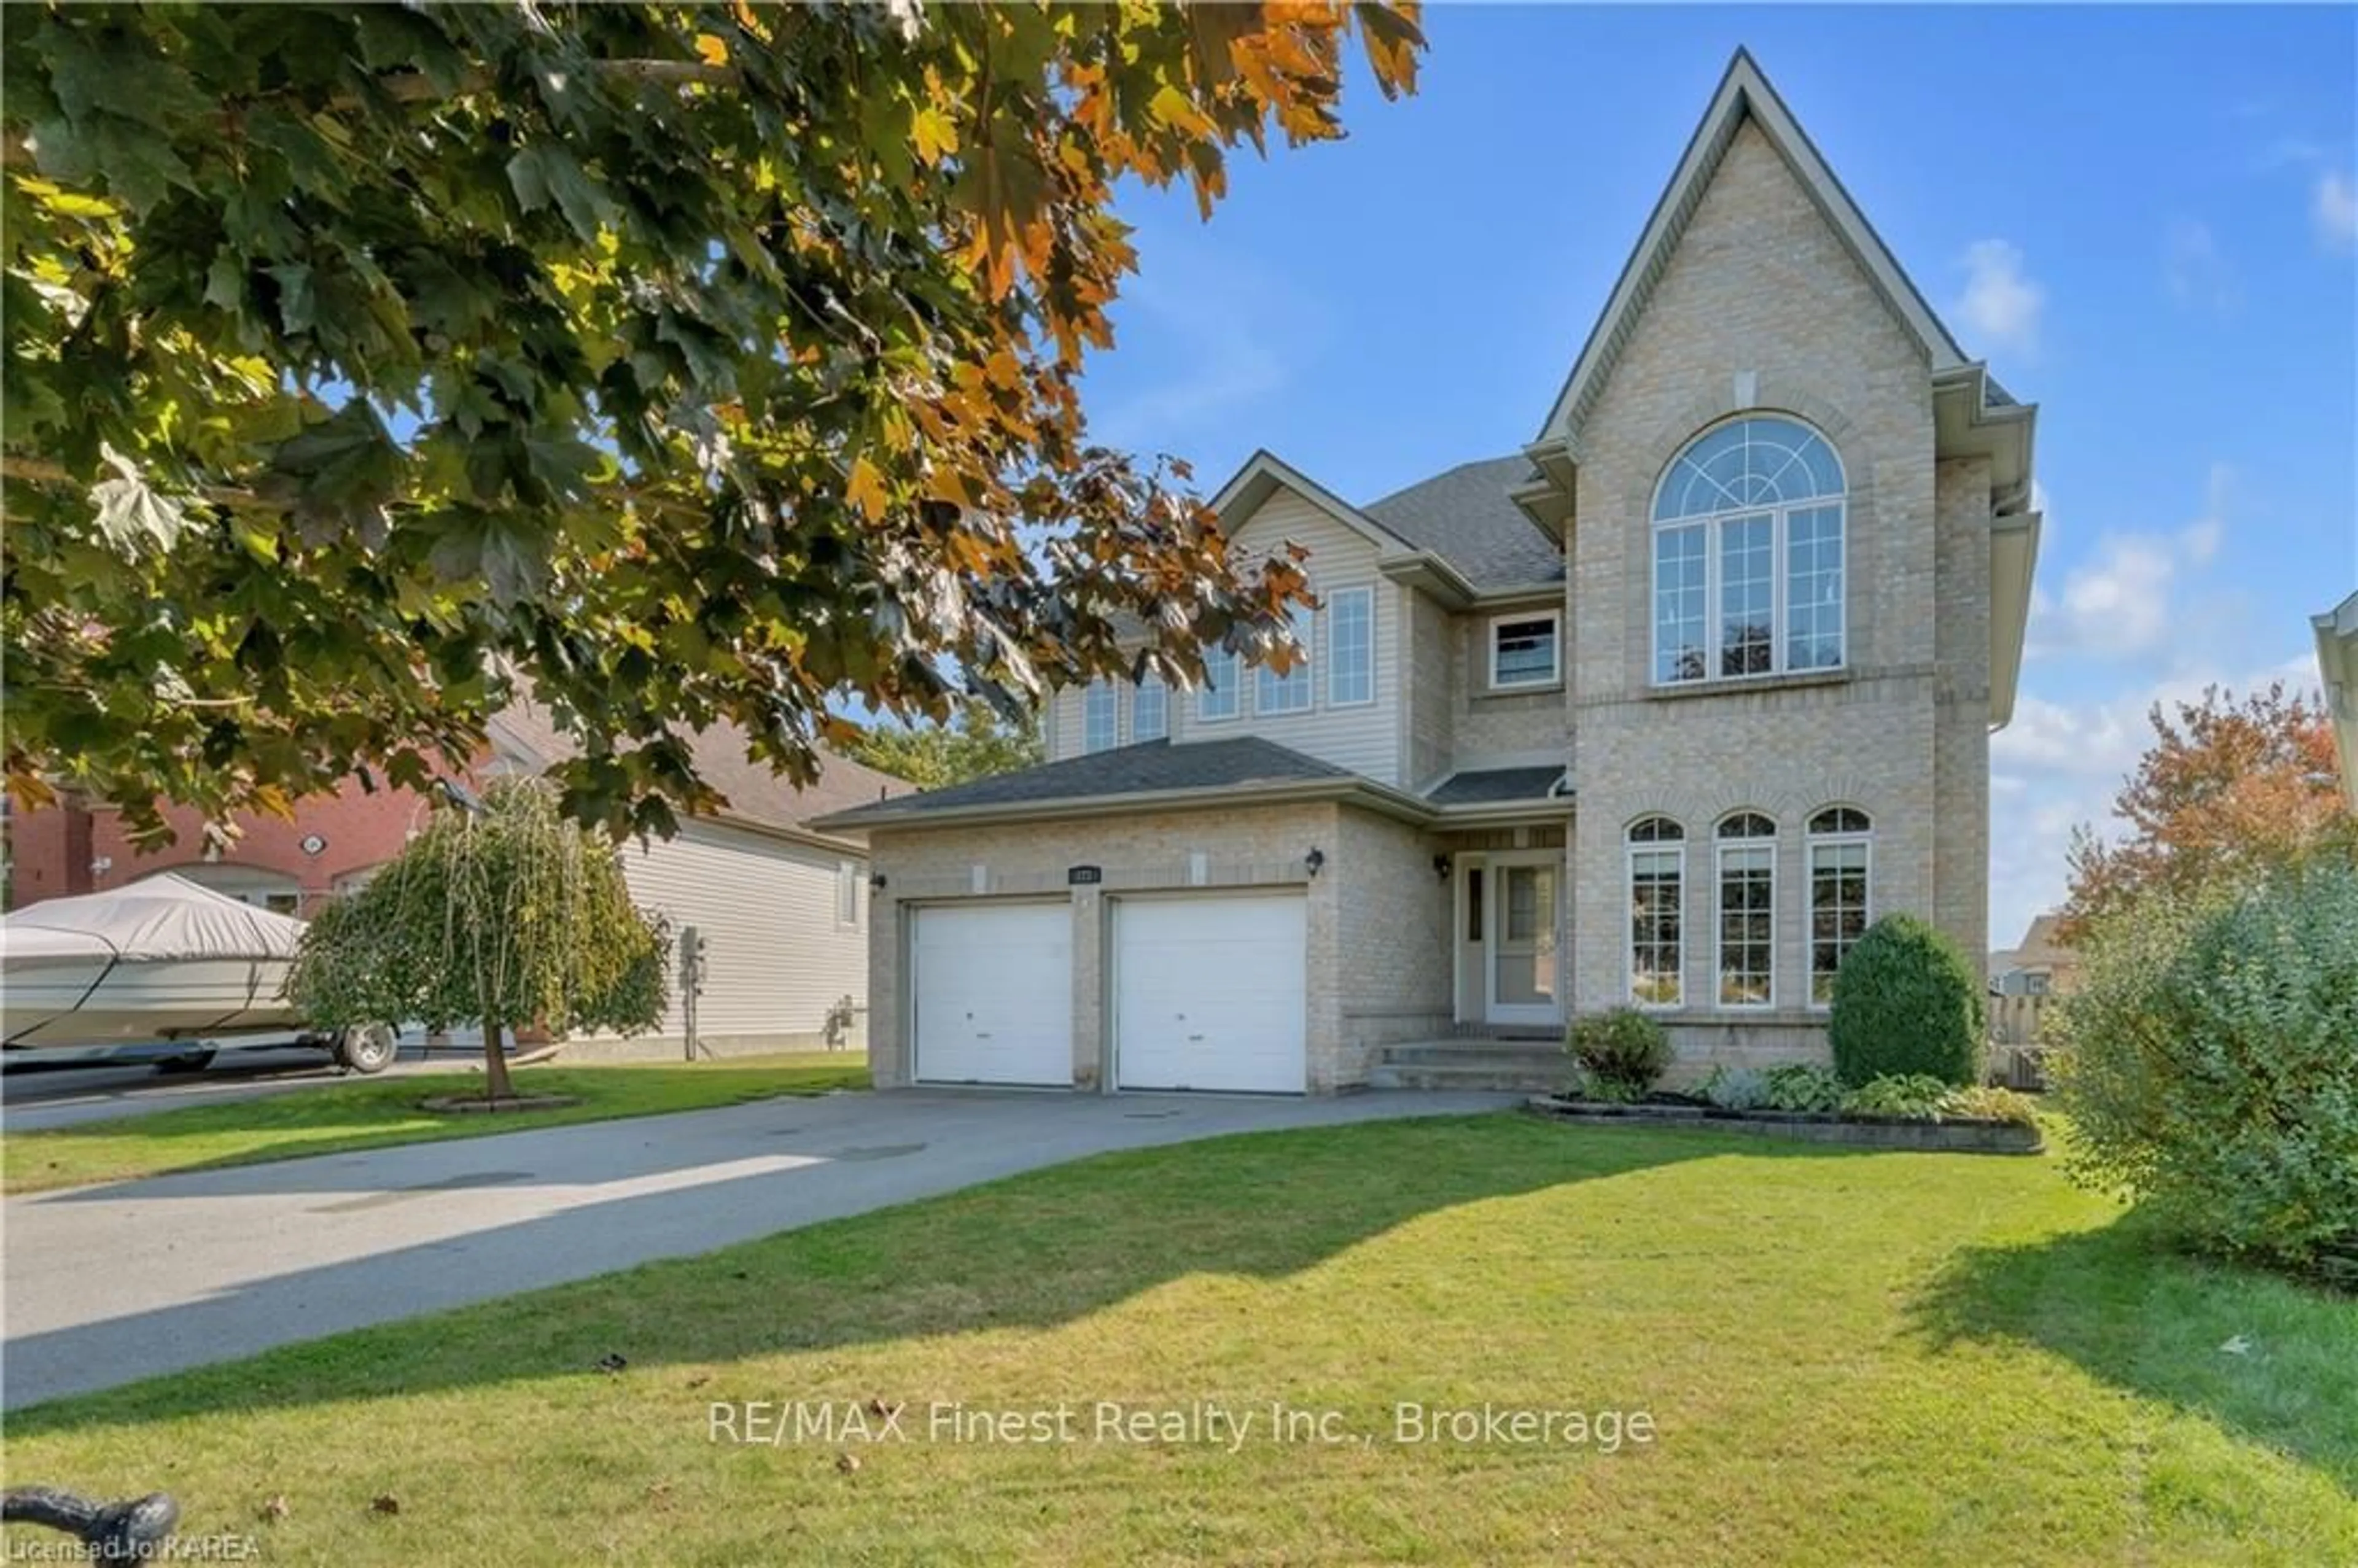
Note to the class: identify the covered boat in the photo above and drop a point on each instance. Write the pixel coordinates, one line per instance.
(160, 960)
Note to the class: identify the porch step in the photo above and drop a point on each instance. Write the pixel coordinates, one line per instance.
(1521, 1066)
(1445, 1052)
(1508, 1077)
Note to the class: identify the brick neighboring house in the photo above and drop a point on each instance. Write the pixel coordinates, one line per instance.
(1661, 708)
(781, 907)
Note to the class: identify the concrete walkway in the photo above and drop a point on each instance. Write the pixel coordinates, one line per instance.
(104, 1285)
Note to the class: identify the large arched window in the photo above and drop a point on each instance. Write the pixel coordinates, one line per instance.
(1748, 553)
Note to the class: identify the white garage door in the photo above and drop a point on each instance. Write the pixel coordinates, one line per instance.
(1209, 993)
(992, 987)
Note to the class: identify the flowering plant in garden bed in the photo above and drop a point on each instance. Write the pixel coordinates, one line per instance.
(1798, 1091)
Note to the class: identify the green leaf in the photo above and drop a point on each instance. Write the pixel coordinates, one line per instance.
(133, 515)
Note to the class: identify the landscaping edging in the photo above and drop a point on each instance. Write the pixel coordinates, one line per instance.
(465, 1105)
(1956, 1135)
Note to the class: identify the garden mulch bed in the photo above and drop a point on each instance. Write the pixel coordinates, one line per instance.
(1955, 1135)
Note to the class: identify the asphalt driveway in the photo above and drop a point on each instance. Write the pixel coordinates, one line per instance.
(106, 1285)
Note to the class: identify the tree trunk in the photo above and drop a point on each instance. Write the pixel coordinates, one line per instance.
(495, 1064)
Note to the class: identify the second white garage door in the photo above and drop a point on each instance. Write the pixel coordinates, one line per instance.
(993, 986)
(1209, 993)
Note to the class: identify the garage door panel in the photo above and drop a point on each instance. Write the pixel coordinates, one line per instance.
(1210, 993)
(993, 988)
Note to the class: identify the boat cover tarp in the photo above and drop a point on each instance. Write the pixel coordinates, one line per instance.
(153, 920)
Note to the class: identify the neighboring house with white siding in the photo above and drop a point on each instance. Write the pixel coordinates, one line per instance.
(1661, 707)
(783, 908)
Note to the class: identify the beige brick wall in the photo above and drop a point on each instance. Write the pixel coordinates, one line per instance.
(1510, 728)
(1368, 974)
(1761, 307)
(1396, 913)
(1430, 724)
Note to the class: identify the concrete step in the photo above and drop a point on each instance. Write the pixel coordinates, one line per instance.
(1508, 1074)
(1444, 1052)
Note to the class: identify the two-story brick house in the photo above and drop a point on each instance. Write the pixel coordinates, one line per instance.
(1662, 709)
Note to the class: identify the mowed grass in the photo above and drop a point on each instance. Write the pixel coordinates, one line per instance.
(1847, 1357)
(374, 1113)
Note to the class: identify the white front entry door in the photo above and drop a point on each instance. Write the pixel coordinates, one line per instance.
(1528, 972)
(992, 993)
(1211, 992)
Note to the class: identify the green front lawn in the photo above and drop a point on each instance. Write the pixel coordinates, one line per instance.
(1846, 1357)
(372, 1113)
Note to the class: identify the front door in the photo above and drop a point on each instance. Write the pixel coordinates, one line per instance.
(1527, 967)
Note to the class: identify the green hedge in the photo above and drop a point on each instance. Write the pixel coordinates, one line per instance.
(2209, 1062)
(1906, 1002)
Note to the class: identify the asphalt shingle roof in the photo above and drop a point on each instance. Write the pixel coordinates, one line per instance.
(1148, 767)
(1466, 517)
(1494, 786)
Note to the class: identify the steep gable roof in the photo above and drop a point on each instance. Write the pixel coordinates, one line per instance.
(1743, 94)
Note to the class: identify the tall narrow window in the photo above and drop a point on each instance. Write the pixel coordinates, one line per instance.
(1840, 851)
(1350, 647)
(1101, 716)
(1748, 903)
(1657, 861)
(847, 895)
(1289, 692)
(1748, 554)
(1223, 678)
(1150, 710)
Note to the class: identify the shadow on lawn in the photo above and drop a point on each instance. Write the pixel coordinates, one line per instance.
(1040, 1249)
(2269, 1358)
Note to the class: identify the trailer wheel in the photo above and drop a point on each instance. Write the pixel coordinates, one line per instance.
(370, 1048)
(185, 1062)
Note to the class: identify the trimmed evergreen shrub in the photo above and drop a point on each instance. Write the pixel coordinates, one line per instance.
(1620, 1046)
(2209, 1062)
(1905, 1001)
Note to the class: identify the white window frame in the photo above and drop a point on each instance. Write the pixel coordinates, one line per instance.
(1213, 660)
(1630, 850)
(1302, 676)
(1137, 731)
(1711, 523)
(847, 895)
(1811, 844)
(1367, 597)
(1722, 848)
(1090, 694)
(1555, 618)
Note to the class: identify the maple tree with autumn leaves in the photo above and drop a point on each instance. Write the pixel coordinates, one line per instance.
(692, 363)
(2229, 787)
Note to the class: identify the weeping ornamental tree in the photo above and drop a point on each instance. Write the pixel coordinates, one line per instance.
(506, 916)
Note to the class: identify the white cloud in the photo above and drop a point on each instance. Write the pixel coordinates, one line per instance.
(2058, 764)
(2335, 208)
(2002, 304)
(2195, 269)
(2123, 602)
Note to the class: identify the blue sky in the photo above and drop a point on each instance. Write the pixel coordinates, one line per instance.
(2142, 218)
